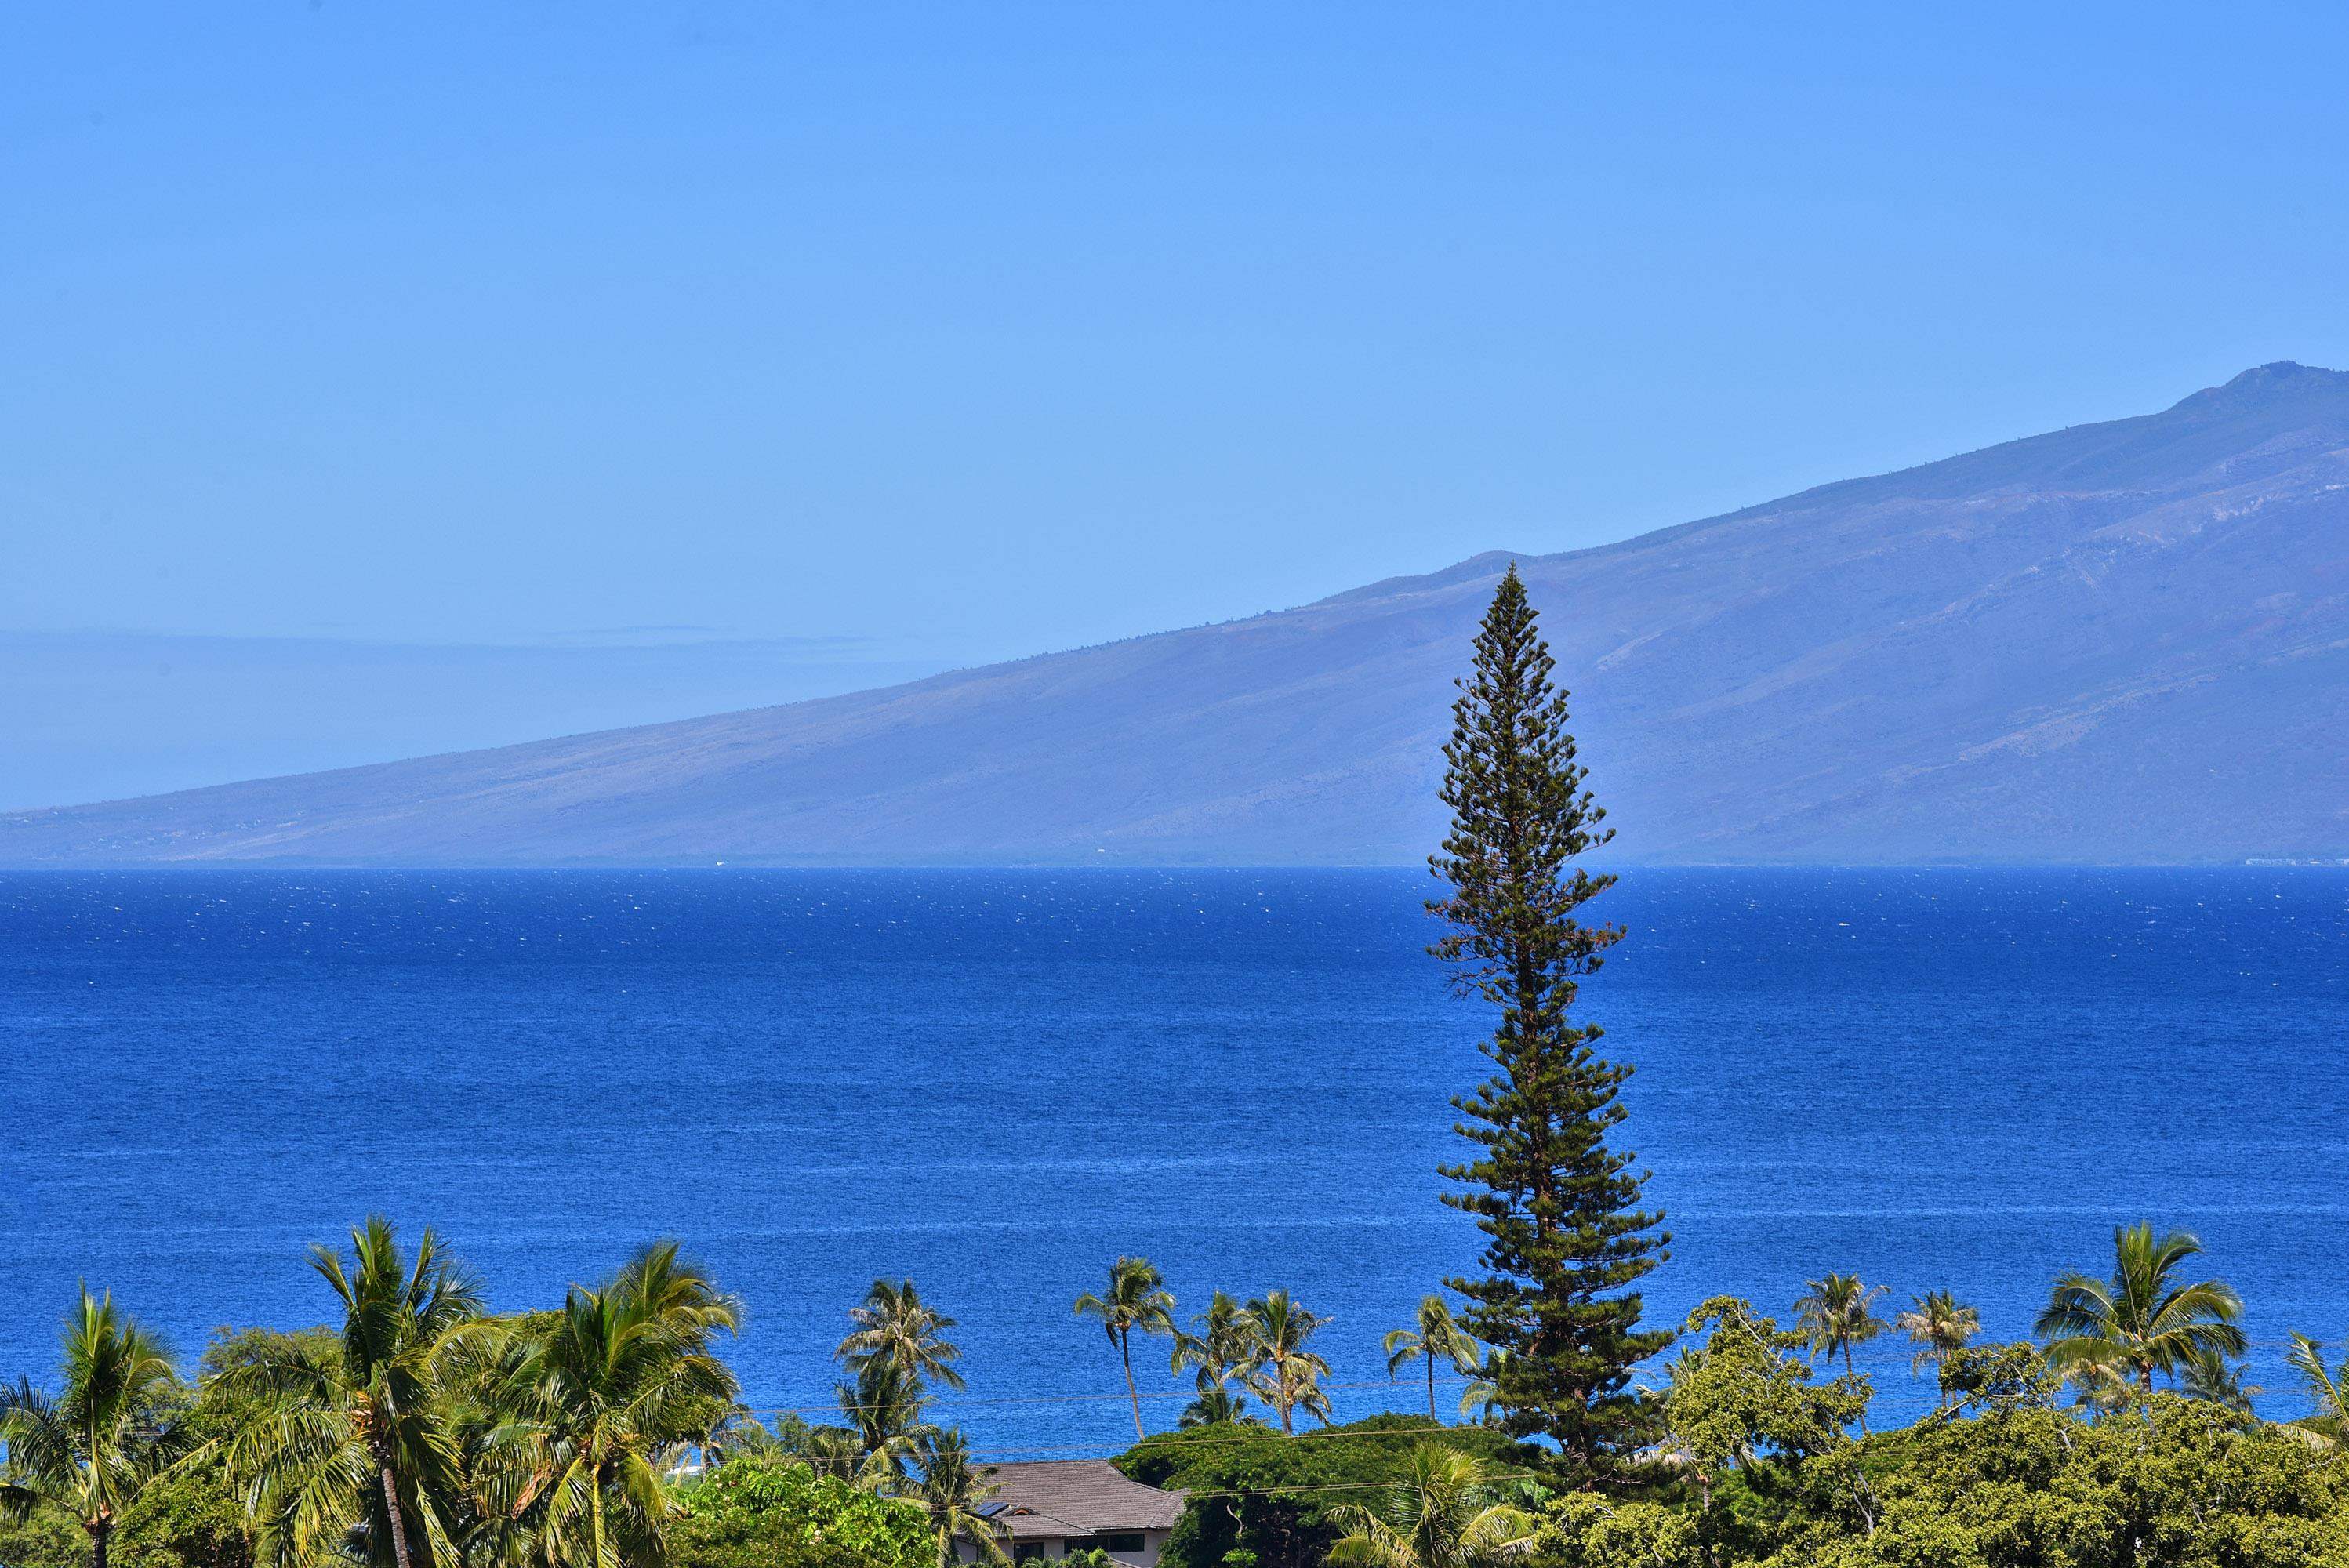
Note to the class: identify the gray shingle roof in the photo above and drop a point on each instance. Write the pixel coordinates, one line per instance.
(1079, 1497)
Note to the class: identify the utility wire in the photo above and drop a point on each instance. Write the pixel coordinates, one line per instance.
(960, 1400)
(1164, 1442)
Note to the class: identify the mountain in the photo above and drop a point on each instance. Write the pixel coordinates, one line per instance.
(2124, 641)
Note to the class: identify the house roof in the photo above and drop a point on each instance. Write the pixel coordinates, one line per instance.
(1075, 1496)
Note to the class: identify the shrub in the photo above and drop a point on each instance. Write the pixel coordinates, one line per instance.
(759, 1512)
(1285, 1487)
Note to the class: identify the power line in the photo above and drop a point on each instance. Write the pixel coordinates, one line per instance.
(1164, 1442)
(959, 1401)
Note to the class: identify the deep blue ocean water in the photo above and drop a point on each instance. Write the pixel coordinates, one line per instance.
(997, 1082)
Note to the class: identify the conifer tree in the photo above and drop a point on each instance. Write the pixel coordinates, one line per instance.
(1565, 1239)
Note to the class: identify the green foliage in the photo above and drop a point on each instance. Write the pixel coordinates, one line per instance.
(2327, 1388)
(896, 1325)
(115, 1427)
(1216, 1406)
(45, 1536)
(955, 1493)
(1220, 1344)
(490, 1420)
(1280, 1370)
(1136, 1302)
(342, 1433)
(1446, 1510)
(1743, 1397)
(2003, 1478)
(883, 1412)
(1587, 1531)
(1940, 1326)
(1837, 1313)
(2180, 1482)
(1433, 1336)
(594, 1403)
(1751, 1430)
(193, 1514)
(1563, 1237)
(193, 1518)
(1988, 1378)
(1278, 1497)
(759, 1512)
(2144, 1320)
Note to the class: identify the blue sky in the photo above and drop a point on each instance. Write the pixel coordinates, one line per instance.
(945, 332)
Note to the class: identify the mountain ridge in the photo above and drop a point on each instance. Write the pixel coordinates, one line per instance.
(1964, 660)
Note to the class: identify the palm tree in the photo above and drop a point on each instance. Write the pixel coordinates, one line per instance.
(1218, 1350)
(2141, 1321)
(113, 1429)
(1220, 1347)
(2101, 1387)
(1674, 1454)
(366, 1442)
(884, 1407)
(2328, 1390)
(616, 1383)
(1137, 1303)
(895, 1325)
(956, 1494)
(840, 1452)
(1438, 1336)
(1835, 1313)
(732, 1431)
(1282, 1371)
(1439, 1514)
(1215, 1406)
(2212, 1378)
(1940, 1326)
(1483, 1395)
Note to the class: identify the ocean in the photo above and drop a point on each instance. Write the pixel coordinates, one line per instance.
(996, 1082)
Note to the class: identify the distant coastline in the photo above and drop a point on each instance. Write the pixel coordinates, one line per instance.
(2114, 643)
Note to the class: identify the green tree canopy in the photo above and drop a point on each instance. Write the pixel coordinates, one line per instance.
(113, 1429)
(1435, 1337)
(1281, 1370)
(895, 1325)
(364, 1447)
(1942, 1326)
(1137, 1302)
(603, 1394)
(1835, 1314)
(1256, 1491)
(2144, 1320)
(1442, 1511)
(769, 1511)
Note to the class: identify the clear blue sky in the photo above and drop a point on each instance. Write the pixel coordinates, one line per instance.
(957, 332)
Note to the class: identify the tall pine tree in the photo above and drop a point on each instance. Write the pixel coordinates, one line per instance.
(1565, 1239)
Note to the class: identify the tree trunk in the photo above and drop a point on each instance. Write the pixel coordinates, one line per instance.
(399, 1521)
(1126, 1350)
(1851, 1377)
(1430, 1359)
(97, 1543)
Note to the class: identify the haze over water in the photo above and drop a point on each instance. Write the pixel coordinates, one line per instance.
(996, 1082)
